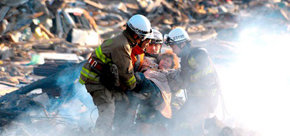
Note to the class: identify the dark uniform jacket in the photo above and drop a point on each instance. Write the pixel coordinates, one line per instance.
(117, 51)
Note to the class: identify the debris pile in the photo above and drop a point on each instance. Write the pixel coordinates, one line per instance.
(37, 35)
(44, 103)
(39, 39)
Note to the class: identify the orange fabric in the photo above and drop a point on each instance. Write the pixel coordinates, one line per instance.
(138, 61)
(165, 109)
(134, 59)
(136, 51)
(141, 60)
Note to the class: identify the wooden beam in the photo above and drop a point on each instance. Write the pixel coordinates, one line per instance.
(94, 4)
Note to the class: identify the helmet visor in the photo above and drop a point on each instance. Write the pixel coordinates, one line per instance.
(170, 41)
(155, 41)
(147, 36)
(142, 34)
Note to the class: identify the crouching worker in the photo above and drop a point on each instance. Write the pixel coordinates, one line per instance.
(199, 78)
(109, 71)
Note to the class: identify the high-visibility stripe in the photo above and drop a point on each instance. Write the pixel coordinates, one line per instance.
(92, 74)
(101, 56)
(205, 72)
(192, 62)
(81, 81)
(88, 74)
(131, 81)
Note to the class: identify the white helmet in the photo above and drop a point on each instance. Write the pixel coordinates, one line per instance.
(140, 25)
(157, 37)
(176, 36)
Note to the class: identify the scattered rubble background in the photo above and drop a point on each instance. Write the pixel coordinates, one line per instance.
(42, 40)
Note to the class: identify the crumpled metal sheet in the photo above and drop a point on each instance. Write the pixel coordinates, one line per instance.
(13, 2)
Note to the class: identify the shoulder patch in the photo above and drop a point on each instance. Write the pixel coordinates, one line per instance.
(108, 42)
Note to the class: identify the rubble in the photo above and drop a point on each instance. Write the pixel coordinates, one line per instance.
(8, 100)
(38, 39)
(74, 26)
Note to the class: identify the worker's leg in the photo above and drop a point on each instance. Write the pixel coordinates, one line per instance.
(124, 118)
(105, 103)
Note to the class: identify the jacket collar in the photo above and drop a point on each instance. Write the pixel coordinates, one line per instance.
(130, 39)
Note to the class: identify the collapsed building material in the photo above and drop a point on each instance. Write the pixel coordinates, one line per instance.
(17, 102)
(5, 52)
(46, 31)
(96, 5)
(76, 26)
(55, 62)
(209, 24)
(3, 12)
(7, 87)
(13, 2)
(49, 68)
(51, 81)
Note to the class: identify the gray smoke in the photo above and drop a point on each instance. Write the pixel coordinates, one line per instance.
(255, 83)
(72, 113)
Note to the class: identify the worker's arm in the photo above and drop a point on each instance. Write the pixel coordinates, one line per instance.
(121, 57)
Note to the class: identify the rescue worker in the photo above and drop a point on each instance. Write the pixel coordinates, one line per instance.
(126, 117)
(124, 114)
(155, 44)
(199, 79)
(109, 71)
(148, 58)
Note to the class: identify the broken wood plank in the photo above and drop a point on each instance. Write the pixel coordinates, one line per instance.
(8, 84)
(50, 35)
(94, 4)
(36, 15)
